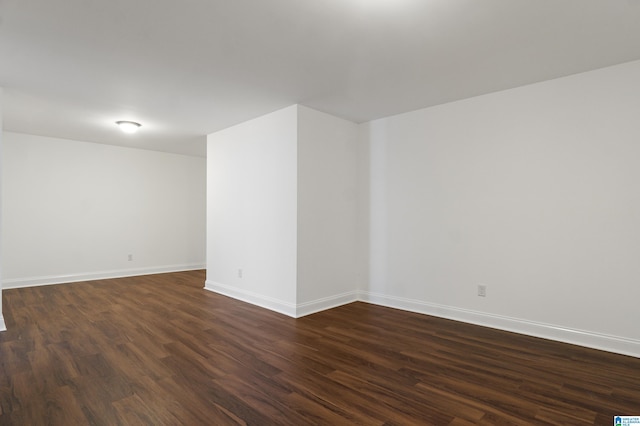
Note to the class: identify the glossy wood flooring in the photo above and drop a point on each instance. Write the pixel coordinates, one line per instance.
(159, 350)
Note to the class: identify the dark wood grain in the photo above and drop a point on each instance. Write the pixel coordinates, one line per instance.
(160, 350)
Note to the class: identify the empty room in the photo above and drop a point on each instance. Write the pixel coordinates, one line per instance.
(343, 212)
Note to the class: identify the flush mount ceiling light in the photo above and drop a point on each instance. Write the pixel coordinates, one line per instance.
(128, 126)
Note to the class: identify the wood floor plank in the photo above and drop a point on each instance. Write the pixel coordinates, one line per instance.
(133, 410)
(161, 350)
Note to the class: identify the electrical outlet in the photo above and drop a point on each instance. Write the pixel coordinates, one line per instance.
(482, 290)
(130, 257)
(239, 273)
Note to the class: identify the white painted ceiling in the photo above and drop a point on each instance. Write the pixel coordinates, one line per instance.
(186, 68)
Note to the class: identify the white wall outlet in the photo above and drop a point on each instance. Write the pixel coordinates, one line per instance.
(130, 257)
(239, 273)
(482, 290)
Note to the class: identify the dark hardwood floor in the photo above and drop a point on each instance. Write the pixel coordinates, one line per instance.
(160, 350)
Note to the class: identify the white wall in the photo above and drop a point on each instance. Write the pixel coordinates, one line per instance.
(75, 210)
(327, 210)
(252, 211)
(532, 192)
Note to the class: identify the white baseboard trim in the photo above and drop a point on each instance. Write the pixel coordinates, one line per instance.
(289, 309)
(609, 343)
(91, 276)
(276, 305)
(3, 326)
(616, 344)
(314, 306)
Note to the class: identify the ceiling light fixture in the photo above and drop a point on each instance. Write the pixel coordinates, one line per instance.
(128, 126)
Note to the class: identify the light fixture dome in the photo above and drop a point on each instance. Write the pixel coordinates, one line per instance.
(128, 126)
